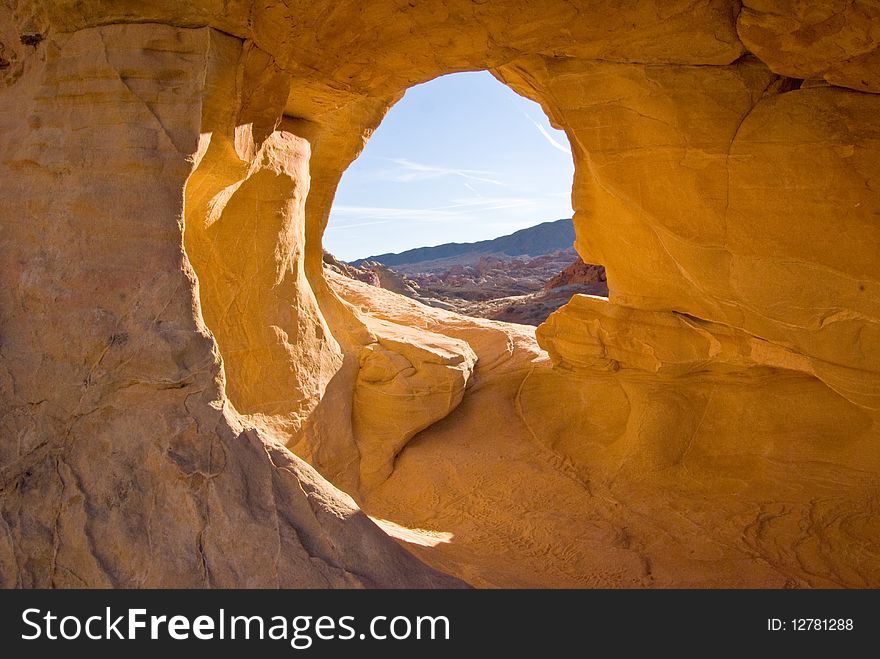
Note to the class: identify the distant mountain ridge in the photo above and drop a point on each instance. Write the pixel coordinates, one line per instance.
(544, 238)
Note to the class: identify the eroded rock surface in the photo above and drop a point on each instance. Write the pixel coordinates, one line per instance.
(407, 380)
(171, 352)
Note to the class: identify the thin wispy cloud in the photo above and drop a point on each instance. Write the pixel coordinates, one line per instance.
(492, 203)
(552, 141)
(407, 171)
(345, 217)
(464, 209)
(336, 226)
(343, 213)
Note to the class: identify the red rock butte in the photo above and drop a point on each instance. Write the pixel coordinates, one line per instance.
(187, 399)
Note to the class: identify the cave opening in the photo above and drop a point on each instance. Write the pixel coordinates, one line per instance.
(461, 199)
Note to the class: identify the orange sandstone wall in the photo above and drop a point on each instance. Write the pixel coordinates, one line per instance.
(167, 332)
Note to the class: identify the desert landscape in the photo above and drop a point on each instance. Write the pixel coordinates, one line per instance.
(519, 278)
(194, 394)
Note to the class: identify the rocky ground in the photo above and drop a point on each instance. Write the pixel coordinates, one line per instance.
(522, 290)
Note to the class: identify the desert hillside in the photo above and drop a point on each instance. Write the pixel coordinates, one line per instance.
(538, 240)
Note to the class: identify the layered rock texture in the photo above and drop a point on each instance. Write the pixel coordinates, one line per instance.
(185, 400)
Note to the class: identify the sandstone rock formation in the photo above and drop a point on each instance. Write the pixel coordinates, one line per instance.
(580, 273)
(368, 276)
(407, 380)
(172, 354)
(491, 277)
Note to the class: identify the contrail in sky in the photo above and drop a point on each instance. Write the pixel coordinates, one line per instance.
(547, 136)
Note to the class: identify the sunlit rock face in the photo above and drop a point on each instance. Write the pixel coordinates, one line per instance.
(180, 382)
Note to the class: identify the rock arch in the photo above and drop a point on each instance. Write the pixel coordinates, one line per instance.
(192, 155)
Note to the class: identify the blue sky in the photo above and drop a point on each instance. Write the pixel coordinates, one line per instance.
(458, 159)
